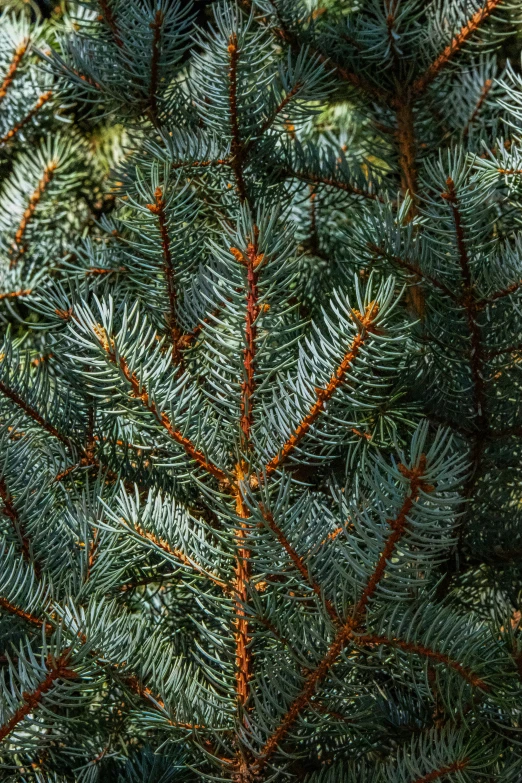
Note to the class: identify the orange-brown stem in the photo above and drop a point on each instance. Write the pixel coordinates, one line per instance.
(437, 774)
(158, 208)
(140, 392)
(482, 97)
(16, 294)
(27, 616)
(236, 145)
(11, 71)
(471, 306)
(33, 414)
(317, 179)
(242, 569)
(110, 19)
(411, 267)
(346, 632)
(423, 652)
(9, 510)
(18, 248)
(42, 100)
(299, 563)
(456, 44)
(58, 670)
(323, 395)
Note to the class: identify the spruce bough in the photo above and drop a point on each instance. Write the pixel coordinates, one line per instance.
(260, 409)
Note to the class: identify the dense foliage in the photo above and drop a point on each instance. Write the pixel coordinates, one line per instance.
(260, 391)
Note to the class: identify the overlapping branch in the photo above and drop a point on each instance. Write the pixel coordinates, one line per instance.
(324, 395)
(11, 71)
(18, 248)
(354, 623)
(140, 392)
(42, 100)
(56, 670)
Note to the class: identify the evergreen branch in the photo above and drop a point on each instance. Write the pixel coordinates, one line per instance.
(408, 266)
(511, 289)
(155, 26)
(442, 771)
(15, 63)
(420, 84)
(279, 108)
(348, 630)
(482, 97)
(42, 100)
(425, 652)
(471, 307)
(110, 19)
(202, 164)
(323, 395)
(56, 670)
(33, 414)
(27, 616)
(298, 562)
(16, 294)
(284, 34)
(179, 555)
(251, 259)
(243, 574)
(17, 248)
(158, 208)
(407, 154)
(317, 179)
(139, 391)
(236, 146)
(145, 693)
(9, 510)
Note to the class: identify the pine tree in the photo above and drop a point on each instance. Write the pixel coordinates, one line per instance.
(260, 391)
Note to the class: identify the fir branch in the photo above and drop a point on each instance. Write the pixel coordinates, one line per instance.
(242, 579)
(56, 670)
(17, 248)
(298, 562)
(32, 619)
(409, 266)
(33, 414)
(317, 179)
(486, 87)
(236, 146)
(155, 26)
(9, 510)
(15, 64)
(109, 17)
(158, 208)
(282, 32)
(16, 294)
(178, 554)
(471, 306)
(251, 259)
(42, 100)
(139, 391)
(323, 395)
(424, 652)
(421, 84)
(350, 627)
(443, 771)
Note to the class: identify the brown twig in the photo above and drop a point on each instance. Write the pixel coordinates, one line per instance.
(323, 395)
(349, 628)
(17, 248)
(56, 670)
(42, 100)
(456, 44)
(15, 63)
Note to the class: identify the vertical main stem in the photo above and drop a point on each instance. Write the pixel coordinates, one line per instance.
(407, 149)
